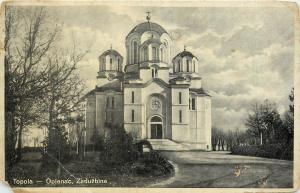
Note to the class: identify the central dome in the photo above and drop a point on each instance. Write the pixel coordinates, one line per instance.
(147, 43)
(148, 26)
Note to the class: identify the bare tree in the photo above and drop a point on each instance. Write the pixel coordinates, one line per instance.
(27, 42)
(215, 138)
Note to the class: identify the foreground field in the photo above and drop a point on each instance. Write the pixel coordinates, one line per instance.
(221, 169)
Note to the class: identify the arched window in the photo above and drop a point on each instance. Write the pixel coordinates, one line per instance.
(132, 97)
(135, 52)
(110, 63)
(194, 66)
(103, 64)
(119, 64)
(174, 69)
(161, 54)
(180, 116)
(113, 102)
(154, 72)
(107, 102)
(193, 104)
(178, 66)
(154, 53)
(180, 98)
(187, 65)
(181, 66)
(145, 53)
(132, 115)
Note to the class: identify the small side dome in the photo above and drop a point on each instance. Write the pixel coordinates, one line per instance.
(110, 60)
(110, 52)
(185, 62)
(184, 54)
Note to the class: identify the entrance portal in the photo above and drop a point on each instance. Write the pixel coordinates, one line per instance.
(156, 128)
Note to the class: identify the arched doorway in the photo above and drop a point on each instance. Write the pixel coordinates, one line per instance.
(156, 127)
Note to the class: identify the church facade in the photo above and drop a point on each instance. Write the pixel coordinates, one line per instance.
(154, 96)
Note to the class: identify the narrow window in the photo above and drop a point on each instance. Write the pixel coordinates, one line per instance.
(107, 116)
(189, 104)
(161, 54)
(194, 66)
(103, 63)
(155, 74)
(132, 97)
(112, 117)
(113, 102)
(180, 116)
(135, 52)
(193, 104)
(179, 98)
(181, 66)
(110, 62)
(179, 69)
(119, 65)
(145, 54)
(107, 102)
(174, 68)
(187, 65)
(132, 115)
(152, 73)
(154, 53)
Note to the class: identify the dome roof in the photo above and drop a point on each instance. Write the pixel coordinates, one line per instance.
(185, 53)
(111, 52)
(147, 26)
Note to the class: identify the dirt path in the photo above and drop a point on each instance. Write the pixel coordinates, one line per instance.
(220, 169)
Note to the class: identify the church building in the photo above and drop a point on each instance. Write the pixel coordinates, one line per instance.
(155, 96)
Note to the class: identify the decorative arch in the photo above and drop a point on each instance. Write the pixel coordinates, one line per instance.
(156, 130)
(156, 119)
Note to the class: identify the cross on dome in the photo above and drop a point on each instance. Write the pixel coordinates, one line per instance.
(148, 16)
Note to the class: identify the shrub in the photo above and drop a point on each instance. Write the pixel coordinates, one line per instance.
(140, 144)
(98, 142)
(277, 151)
(152, 164)
(57, 149)
(118, 148)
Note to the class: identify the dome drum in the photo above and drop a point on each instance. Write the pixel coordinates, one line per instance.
(185, 63)
(110, 60)
(148, 42)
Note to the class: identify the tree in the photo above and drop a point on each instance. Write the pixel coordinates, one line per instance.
(291, 97)
(119, 148)
(264, 122)
(28, 38)
(214, 138)
(97, 140)
(56, 150)
(288, 119)
(62, 97)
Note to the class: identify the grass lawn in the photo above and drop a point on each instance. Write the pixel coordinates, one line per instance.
(89, 168)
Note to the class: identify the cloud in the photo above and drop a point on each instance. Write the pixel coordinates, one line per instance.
(245, 54)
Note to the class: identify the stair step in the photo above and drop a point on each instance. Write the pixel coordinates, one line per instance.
(166, 144)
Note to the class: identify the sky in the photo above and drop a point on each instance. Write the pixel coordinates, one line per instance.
(246, 55)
